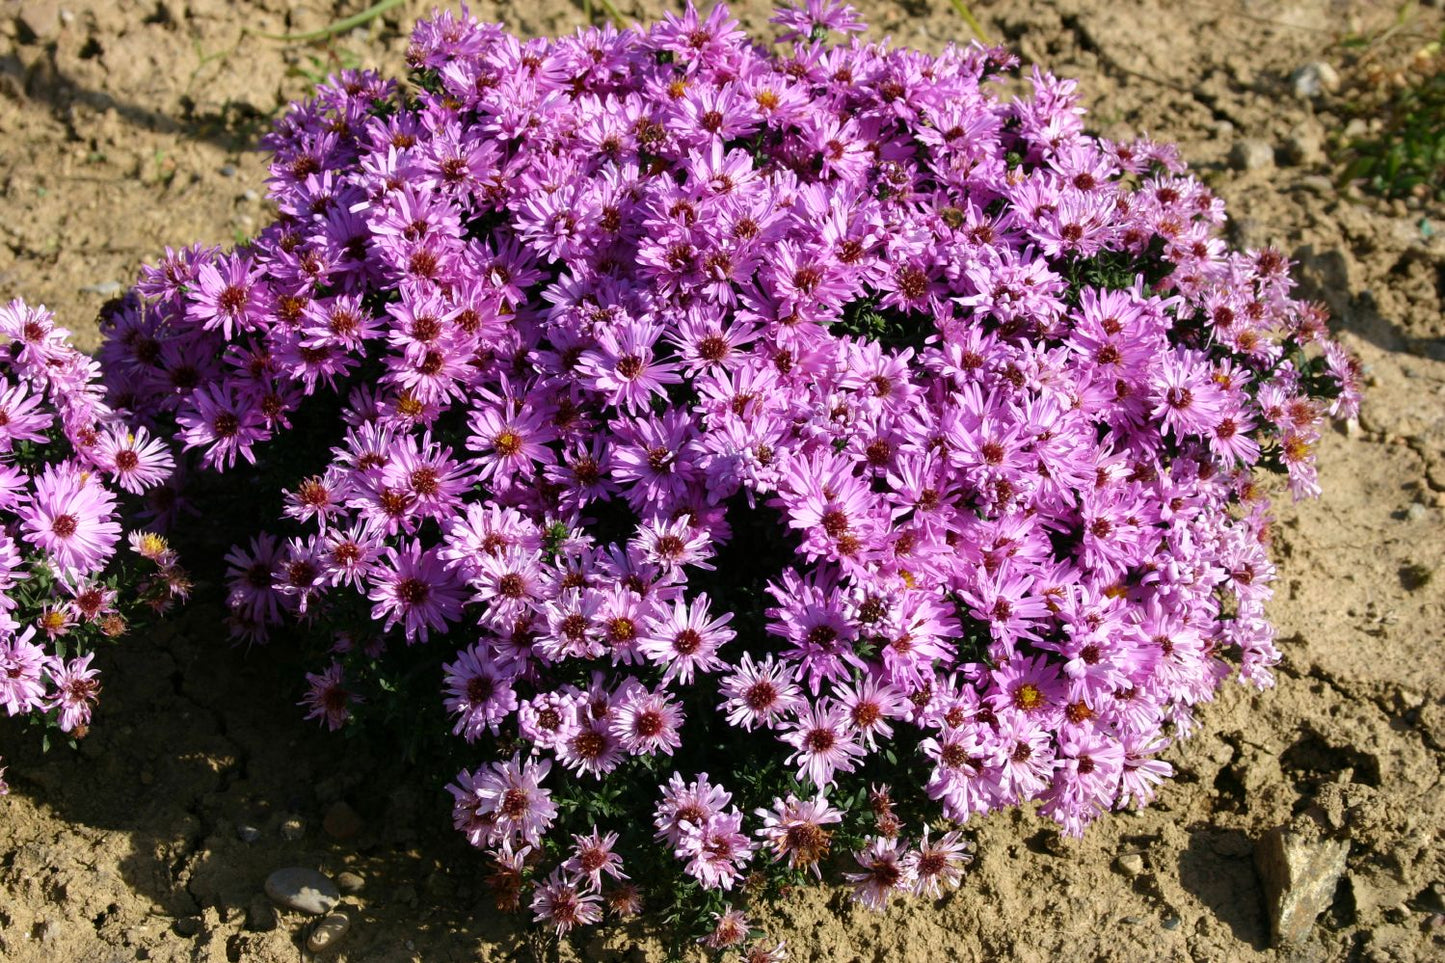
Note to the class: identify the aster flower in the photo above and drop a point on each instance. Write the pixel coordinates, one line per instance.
(648, 722)
(22, 673)
(327, 697)
(592, 857)
(228, 296)
(411, 586)
(716, 850)
(936, 865)
(479, 694)
(510, 794)
(822, 743)
(224, 422)
(685, 640)
(885, 871)
(760, 693)
(559, 903)
(795, 829)
(624, 367)
(70, 517)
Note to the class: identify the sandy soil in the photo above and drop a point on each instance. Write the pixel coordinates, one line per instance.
(125, 126)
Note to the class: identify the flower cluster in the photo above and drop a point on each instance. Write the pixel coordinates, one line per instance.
(66, 459)
(772, 453)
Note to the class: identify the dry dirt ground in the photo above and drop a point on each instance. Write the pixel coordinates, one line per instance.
(125, 126)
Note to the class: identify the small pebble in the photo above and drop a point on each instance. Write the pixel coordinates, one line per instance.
(1130, 864)
(228, 170)
(1171, 922)
(350, 882)
(1313, 79)
(104, 288)
(1416, 512)
(1250, 154)
(341, 822)
(328, 931)
(250, 196)
(248, 834)
(187, 926)
(304, 890)
(1131, 920)
(293, 828)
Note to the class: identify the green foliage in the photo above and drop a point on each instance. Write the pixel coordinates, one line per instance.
(1410, 151)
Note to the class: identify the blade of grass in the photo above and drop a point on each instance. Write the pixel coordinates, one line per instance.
(612, 12)
(340, 26)
(970, 19)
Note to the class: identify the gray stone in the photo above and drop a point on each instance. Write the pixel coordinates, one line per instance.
(1130, 864)
(330, 929)
(248, 834)
(293, 828)
(1314, 79)
(1249, 154)
(104, 288)
(1416, 512)
(1299, 869)
(303, 890)
(228, 170)
(350, 882)
(187, 926)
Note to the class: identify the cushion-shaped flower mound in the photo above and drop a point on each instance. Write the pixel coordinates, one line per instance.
(779, 452)
(64, 587)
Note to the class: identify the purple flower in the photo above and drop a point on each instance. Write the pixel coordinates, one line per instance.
(22, 671)
(71, 518)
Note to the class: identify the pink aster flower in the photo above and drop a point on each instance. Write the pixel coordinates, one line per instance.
(413, 587)
(796, 830)
(716, 850)
(218, 418)
(71, 517)
(21, 417)
(759, 693)
(22, 668)
(685, 641)
(593, 857)
(885, 871)
(134, 460)
(685, 803)
(509, 796)
(937, 864)
(228, 295)
(560, 903)
(822, 743)
(648, 722)
(478, 693)
(624, 366)
(327, 697)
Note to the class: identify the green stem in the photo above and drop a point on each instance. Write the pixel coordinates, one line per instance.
(970, 19)
(612, 13)
(340, 26)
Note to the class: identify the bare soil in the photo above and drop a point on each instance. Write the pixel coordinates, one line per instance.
(126, 126)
